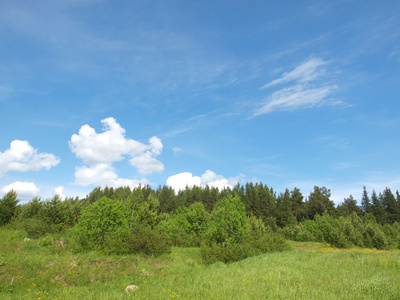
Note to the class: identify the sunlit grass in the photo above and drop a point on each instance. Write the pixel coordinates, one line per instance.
(309, 271)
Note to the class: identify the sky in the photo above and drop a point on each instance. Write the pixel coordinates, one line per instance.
(121, 93)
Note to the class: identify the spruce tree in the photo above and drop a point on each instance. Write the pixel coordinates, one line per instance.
(365, 202)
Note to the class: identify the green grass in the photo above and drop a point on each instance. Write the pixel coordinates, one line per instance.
(309, 271)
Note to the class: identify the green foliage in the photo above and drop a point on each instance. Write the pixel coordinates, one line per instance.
(149, 242)
(187, 226)
(319, 202)
(232, 236)
(346, 232)
(8, 205)
(144, 240)
(228, 222)
(211, 253)
(97, 220)
(35, 227)
(147, 215)
(41, 272)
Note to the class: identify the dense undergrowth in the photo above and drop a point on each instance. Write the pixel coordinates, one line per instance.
(227, 226)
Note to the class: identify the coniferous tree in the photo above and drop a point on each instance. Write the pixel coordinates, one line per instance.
(298, 208)
(268, 204)
(351, 205)
(167, 198)
(95, 195)
(365, 202)
(377, 208)
(319, 201)
(390, 204)
(8, 205)
(283, 208)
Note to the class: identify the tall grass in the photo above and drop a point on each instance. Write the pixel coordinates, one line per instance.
(309, 271)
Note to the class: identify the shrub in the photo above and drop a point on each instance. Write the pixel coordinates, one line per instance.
(229, 222)
(97, 220)
(139, 240)
(150, 242)
(211, 253)
(34, 227)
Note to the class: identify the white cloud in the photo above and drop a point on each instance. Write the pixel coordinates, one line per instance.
(304, 73)
(100, 150)
(295, 97)
(25, 190)
(107, 147)
(304, 89)
(176, 150)
(22, 157)
(180, 181)
(60, 192)
(103, 175)
(146, 164)
(213, 180)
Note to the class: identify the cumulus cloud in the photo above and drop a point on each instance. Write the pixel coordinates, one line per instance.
(22, 157)
(60, 192)
(99, 151)
(103, 175)
(106, 147)
(180, 181)
(25, 190)
(146, 164)
(306, 88)
(214, 180)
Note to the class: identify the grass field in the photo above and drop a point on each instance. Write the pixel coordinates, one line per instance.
(309, 271)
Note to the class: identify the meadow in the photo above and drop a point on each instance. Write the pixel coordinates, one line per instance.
(32, 270)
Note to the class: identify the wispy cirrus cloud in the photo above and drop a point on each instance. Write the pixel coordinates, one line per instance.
(295, 97)
(343, 166)
(305, 88)
(305, 72)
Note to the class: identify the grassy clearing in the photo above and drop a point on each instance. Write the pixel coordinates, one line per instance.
(309, 271)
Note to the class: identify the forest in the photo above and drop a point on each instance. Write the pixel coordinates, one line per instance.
(228, 225)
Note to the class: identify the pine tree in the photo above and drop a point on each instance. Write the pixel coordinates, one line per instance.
(377, 209)
(365, 202)
(319, 201)
(390, 204)
(8, 205)
(298, 206)
(283, 208)
(351, 205)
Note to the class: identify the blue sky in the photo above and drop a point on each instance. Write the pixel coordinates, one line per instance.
(290, 94)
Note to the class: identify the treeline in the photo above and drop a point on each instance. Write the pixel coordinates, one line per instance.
(228, 224)
(263, 202)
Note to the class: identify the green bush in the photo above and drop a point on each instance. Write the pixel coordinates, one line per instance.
(34, 227)
(211, 253)
(378, 238)
(150, 242)
(97, 221)
(304, 236)
(139, 240)
(260, 239)
(229, 223)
